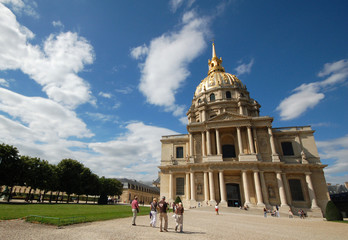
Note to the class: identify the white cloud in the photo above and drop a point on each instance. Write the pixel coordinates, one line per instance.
(176, 4)
(166, 66)
(335, 151)
(106, 95)
(308, 95)
(58, 24)
(139, 52)
(54, 67)
(47, 118)
(136, 154)
(22, 7)
(126, 90)
(102, 117)
(244, 68)
(4, 83)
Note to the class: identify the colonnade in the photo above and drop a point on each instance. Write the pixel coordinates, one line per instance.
(252, 141)
(259, 185)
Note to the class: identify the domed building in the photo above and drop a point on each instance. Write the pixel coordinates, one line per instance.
(234, 157)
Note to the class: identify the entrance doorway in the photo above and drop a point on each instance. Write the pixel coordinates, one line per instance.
(233, 195)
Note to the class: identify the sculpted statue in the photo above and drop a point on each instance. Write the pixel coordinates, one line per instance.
(304, 157)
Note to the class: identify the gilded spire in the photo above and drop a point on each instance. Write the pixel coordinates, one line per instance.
(214, 53)
(215, 62)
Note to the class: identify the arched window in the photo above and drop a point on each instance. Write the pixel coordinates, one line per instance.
(212, 97)
(228, 94)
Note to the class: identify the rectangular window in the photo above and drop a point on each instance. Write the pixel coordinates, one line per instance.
(287, 149)
(180, 183)
(296, 189)
(179, 152)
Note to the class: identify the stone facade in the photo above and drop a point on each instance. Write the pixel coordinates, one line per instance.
(132, 188)
(233, 156)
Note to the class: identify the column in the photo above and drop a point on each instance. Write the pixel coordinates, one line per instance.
(264, 188)
(208, 143)
(203, 145)
(258, 189)
(240, 108)
(170, 197)
(240, 144)
(311, 190)
(206, 187)
(188, 186)
(218, 145)
(255, 141)
(191, 145)
(222, 187)
(271, 141)
(246, 188)
(250, 138)
(193, 189)
(203, 116)
(211, 187)
(275, 156)
(282, 195)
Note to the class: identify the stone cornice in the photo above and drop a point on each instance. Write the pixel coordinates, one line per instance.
(248, 166)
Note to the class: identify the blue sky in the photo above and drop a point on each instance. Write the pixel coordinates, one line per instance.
(102, 81)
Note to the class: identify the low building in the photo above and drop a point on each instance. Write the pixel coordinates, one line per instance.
(132, 188)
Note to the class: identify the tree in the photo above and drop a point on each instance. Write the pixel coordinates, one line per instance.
(33, 173)
(177, 199)
(11, 170)
(89, 183)
(332, 213)
(69, 175)
(109, 186)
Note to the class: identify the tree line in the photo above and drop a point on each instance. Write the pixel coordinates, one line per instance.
(69, 176)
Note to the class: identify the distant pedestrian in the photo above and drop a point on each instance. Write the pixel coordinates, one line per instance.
(217, 208)
(135, 209)
(179, 211)
(163, 207)
(291, 215)
(154, 206)
(264, 212)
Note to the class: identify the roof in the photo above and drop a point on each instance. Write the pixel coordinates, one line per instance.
(136, 183)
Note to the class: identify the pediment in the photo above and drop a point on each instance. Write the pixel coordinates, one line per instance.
(228, 116)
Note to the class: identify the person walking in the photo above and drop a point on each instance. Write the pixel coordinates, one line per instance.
(163, 207)
(135, 209)
(179, 211)
(217, 208)
(154, 206)
(264, 212)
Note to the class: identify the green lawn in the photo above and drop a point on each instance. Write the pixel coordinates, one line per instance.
(91, 212)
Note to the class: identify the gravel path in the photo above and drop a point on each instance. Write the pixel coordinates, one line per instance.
(198, 224)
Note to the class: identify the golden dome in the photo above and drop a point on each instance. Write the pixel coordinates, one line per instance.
(217, 77)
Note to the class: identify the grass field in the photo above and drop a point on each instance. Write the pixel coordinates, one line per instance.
(85, 213)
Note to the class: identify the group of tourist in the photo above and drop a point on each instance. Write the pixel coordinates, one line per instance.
(162, 207)
(275, 213)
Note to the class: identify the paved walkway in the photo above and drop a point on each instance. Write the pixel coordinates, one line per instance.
(198, 224)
